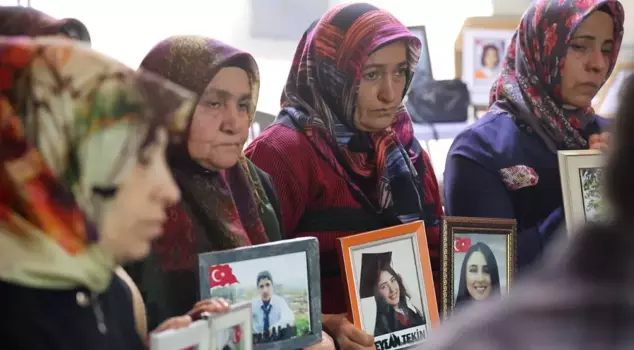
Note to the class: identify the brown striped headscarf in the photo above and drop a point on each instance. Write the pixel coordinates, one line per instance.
(219, 210)
(27, 21)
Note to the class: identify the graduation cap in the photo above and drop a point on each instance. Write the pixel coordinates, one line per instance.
(371, 264)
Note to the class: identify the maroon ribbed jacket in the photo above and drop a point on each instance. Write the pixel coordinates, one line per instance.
(315, 201)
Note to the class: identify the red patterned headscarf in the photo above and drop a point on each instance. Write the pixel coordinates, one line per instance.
(27, 21)
(529, 86)
(320, 98)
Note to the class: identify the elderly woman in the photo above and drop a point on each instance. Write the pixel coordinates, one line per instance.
(85, 187)
(342, 152)
(226, 201)
(505, 164)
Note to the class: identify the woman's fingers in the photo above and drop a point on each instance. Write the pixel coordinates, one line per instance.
(209, 305)
(174, 323)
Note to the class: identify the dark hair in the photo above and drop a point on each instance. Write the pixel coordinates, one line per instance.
(463, 293)
(264, 275)
(487, 48)
(619, 185)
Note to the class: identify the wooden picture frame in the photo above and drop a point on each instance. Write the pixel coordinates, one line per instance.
(286, 272)
(580, 173)
(495, 240)
(232, 329)
(606, 101)
(193, 337)
(400, 256)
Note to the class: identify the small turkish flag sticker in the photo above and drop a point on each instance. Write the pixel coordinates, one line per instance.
(237, 334)
(461, 245)
(221, 275)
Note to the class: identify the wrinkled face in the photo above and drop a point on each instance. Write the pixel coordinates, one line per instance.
(491, 58)
(382, 87)
(587, 60)
(136, 215)
(478, 277)
(220, 125)
(265, 287)
(388, 288)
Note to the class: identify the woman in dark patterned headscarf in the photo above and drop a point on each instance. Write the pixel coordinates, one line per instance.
(27, 21)
(505, 165)
(226, 201)
(342, 151)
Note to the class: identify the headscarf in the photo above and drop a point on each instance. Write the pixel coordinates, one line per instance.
(320, 98)
(72, 122)
(529, 86)
(27, 21)
(227, 204)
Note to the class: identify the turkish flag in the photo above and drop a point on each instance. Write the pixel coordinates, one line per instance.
(461, 245)
(237, 334)
(221, 275)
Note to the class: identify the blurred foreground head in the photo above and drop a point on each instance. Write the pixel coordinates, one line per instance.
(27, 21)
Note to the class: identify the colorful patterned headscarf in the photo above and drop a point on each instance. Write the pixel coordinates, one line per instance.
(320, 98)
(228, 207)
(529, 86)
(27, 21)
(71, 121)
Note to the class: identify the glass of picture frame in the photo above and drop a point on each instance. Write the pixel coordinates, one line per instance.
(478, 259)
(390, 285)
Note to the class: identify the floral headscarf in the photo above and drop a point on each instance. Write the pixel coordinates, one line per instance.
(529, 86)
(71, 121)
(320, 98)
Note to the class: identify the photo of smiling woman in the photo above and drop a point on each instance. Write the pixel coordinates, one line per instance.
(394, 311)
(479, 275)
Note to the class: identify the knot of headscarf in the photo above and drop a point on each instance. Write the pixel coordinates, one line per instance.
(529, 86)
(320, 98)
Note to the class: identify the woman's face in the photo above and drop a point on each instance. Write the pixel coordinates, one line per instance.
(136, 215)
(381, 88)
(491, 58)
(389, 289)
(220, 125)
(478, 277)
(587, 60)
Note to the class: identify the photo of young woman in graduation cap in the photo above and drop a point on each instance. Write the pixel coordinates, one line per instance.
(394, 311)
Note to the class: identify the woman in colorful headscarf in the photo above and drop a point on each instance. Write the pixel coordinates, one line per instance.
(84, 187)
(27, 21)
(342, 152)
(505, 165)
(226, 201)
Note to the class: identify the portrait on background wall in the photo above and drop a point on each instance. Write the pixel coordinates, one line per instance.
(478, 259)
(482, 53)
(390, 287)
(280, 282)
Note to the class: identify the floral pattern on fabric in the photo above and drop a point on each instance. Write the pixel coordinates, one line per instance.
(530, 82)
(70, 119)
(519, 176)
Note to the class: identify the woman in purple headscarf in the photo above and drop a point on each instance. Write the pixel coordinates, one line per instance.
(505, 165)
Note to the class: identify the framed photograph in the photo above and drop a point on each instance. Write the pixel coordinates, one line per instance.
(477, 259)
(232, 330)
(194, 337)
(482, 54)
(281, 282)
(423, 69)
(580, 173)
(390, 285)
